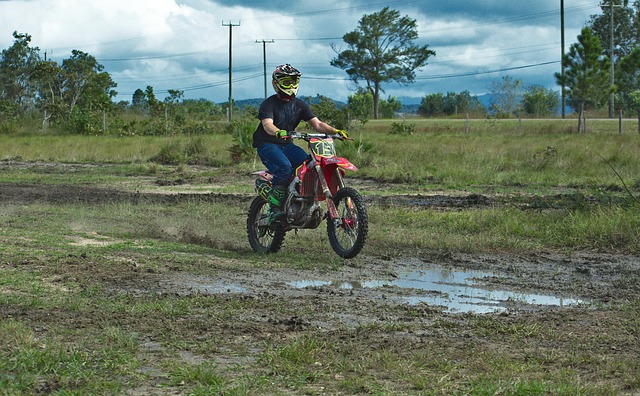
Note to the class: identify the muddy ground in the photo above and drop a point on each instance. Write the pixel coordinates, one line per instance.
(370, 291)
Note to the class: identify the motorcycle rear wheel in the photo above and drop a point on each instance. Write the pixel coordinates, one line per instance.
(347, 233)
(263, 239)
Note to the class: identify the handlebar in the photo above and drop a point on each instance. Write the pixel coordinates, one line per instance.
(306, 136)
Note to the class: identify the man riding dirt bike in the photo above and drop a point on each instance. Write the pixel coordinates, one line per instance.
(279, 114)
(296, 201)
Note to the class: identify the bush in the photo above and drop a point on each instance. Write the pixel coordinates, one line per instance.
(8, 127)
(356, 151)
(201, 128)
(242, 133)
(402, 128)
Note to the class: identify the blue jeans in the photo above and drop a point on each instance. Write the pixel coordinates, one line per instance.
(281, 160)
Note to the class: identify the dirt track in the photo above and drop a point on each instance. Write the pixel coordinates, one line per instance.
(372, 290)
(587, 276)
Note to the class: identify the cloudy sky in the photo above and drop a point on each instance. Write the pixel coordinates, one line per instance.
(184, 44)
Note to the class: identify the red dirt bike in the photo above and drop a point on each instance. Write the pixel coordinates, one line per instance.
(316, 192)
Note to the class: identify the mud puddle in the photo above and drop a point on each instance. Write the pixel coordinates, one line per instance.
(454, 290)
(457, 291)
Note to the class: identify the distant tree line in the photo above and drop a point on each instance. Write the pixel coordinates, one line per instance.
(77, 95)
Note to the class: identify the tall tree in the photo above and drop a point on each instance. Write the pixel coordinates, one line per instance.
(139, 101)
(86, 82)
(155, 106)
(17, 64)
(49, 93)
(586, 74)
(381, 50)
(626, 29)
(628, 79)
(625, 16)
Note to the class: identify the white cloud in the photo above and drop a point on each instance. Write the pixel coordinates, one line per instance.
(181, 44)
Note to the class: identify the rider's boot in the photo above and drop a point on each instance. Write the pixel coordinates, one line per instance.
(276, 200)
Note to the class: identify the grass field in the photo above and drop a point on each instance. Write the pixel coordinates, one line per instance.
(121, 275)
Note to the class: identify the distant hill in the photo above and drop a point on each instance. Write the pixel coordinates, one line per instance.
(256, 102)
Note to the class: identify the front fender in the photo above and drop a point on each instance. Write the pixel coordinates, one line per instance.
(340, 162)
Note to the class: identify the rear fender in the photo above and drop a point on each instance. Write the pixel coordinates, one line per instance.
(263, 183)
(263, 174)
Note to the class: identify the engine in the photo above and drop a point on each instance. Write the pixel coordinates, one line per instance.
(303, 212)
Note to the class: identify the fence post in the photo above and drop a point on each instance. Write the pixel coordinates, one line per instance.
(620, 122)
(520, 124)
(466, 125)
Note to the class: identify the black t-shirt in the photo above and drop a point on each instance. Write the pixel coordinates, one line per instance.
(285, 115)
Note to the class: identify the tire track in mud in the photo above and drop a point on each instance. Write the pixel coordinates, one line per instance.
(17, 193)
(65, 194)
(22, 193)
(69, 194)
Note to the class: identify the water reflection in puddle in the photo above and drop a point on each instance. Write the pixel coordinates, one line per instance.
(206, 287)
(456, 290)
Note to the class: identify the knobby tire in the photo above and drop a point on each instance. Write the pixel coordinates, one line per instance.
(265, 240)
(347, 238)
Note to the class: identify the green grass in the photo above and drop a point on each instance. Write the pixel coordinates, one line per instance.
(438, 155)
(105, 149)
(31, 363)
(506, 230)
(84, 312)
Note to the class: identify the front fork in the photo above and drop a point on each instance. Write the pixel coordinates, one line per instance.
(331, 206)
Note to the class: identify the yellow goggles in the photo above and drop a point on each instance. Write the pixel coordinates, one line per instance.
(289, 82)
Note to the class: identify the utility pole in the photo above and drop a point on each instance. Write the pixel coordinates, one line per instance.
(611, 54)
(231, 25)
(612, 58)
(564, 95)
(264, 62)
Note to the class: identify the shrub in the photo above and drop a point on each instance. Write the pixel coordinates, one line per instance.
(402, 128)
(242, 133)
(8, 127)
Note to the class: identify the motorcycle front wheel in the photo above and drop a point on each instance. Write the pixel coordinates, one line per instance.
(263, 238)
(348, 232)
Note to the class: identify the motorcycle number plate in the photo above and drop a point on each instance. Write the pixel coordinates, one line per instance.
(323, 147)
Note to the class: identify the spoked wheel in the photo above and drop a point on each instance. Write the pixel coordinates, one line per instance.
(348, 232)
(263, 238)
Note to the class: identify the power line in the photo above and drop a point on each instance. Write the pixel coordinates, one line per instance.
(204, 86)
(342, 9)
(537, 15)
(454, 75)
(486, 71)
(153, 57)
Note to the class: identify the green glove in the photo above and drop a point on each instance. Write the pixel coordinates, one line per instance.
(282, 134)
